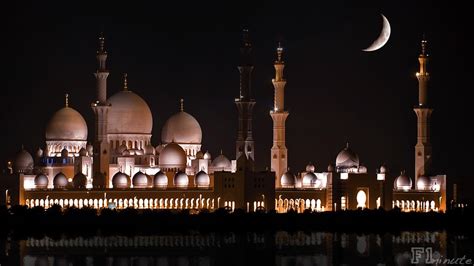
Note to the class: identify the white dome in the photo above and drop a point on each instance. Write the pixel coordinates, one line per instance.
(129, 114)
(310, 168)
(202, 179)
(221, 163)
(23, 162)
(41, 181)
(308, 179)
(423, 183)
(140, 180)
(149, 150)
(383, 169)
(160, 180)
(207, 156)
(347, 158)
(172, 155)
(80, 180)
(288, 180)
(67, 124)
(181, 128)
(181, 180)
(60, 181)
(120, 180)
(403, 182)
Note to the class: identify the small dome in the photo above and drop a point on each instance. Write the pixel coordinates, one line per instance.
(310, 168)
(129, 114)
(149, 150)
(90, 149)
(403, 182)
(199, 155)
(140, 180)
(160, 180)
(159, 148)
(362, 169)
(23, 162)
(60, 181)
(288, 179)
(423, 183)
(79, 180)
(383, 169)
(139, 152)
(308, 179)
(82, 152)
(181, 128)
(64, 153)
(121, 180)
(202, 179)
(181, 180)
(221, 163)
(67, 124)
(172, 155)
(347, 158)
(330, 168)
(41, 181)
(207, 156)
(39, 153)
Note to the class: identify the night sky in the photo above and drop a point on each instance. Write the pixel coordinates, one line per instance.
(335, 92)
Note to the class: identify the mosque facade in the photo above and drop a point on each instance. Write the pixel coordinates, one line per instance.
(119, 167)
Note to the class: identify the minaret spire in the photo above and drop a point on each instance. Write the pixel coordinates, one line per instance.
(279, 152)
(181, 106)
(101, 109)
(245, 102)
(66, 100)
(423, 112)
(102, 73)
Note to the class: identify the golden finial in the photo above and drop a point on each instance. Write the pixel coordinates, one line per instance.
(67, 100)
(279, 52)
(125, 82)
(181, 107)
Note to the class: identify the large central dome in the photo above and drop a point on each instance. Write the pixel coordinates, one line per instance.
(129, 114)
(67, 124)
(181, 128)
(347, 158)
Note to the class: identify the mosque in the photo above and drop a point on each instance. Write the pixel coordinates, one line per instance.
(119, 167)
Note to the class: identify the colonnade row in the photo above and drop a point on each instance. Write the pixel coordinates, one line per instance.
(412, 205)
(299, 205)
(122, 203)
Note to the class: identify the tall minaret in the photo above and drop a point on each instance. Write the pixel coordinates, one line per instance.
(423, 112)
(101, 109)
(279, 153)
(245, 102)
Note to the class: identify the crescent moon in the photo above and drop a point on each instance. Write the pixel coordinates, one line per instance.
(383, 37)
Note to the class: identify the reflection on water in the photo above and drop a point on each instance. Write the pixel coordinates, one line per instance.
(281, 248)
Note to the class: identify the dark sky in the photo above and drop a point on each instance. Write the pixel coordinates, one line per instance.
(335, 92)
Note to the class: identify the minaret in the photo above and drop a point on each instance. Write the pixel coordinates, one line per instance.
(423, 112)
(245, 102)
(279, 153)
(101, 109)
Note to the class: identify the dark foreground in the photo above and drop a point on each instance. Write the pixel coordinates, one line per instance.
(25, 221)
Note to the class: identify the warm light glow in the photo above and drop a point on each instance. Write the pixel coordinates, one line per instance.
(361, 199)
